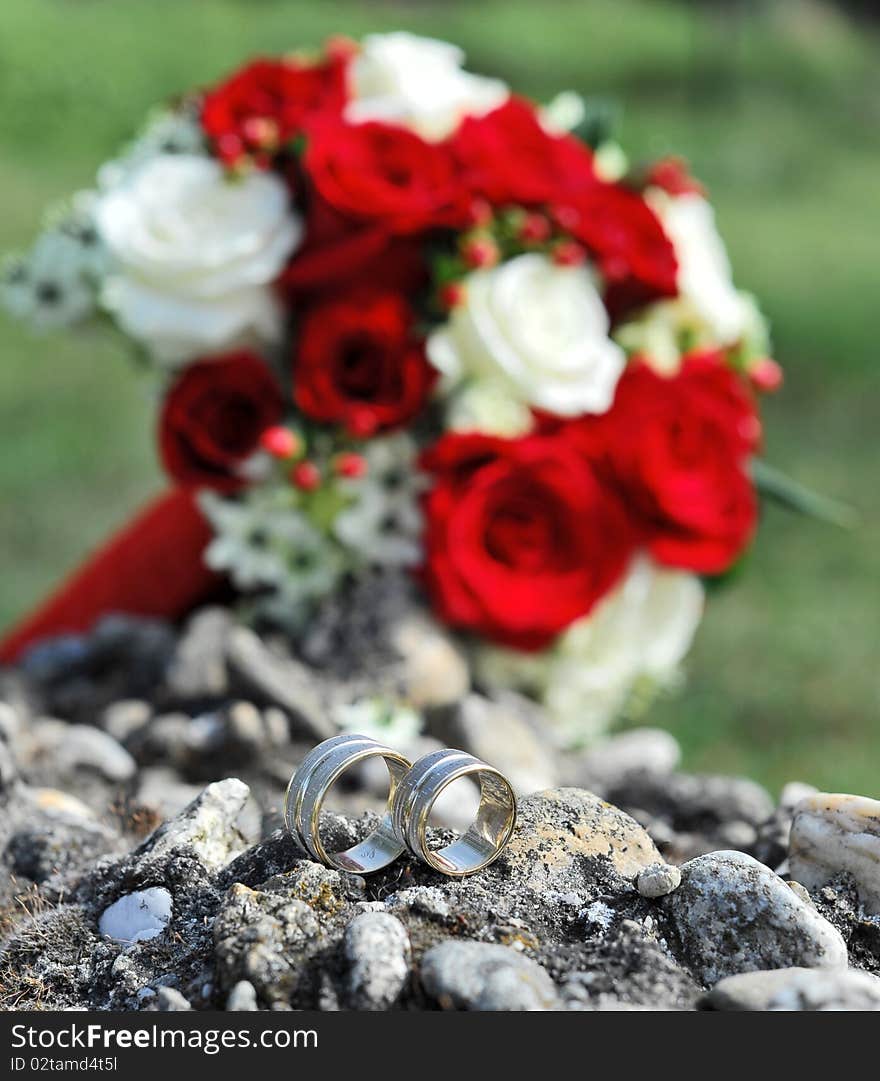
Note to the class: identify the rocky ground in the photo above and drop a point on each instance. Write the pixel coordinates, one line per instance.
(144, 866)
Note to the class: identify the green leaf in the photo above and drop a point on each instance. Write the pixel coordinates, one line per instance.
(775, 486)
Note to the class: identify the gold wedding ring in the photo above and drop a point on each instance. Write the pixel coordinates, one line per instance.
(487, 835)
(308, 788)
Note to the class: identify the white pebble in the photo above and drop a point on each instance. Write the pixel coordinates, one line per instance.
(137, 916)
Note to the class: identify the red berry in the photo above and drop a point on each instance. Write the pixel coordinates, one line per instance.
(766, 375)
(480, 212)
(452, 294)
(534, 229)
(306, 476)
(569, 253)
(480, 252)
(230, 149)
(280, 442)
(351, 465)
(261, 131)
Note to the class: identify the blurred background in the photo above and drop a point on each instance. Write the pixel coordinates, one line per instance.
(777, 105)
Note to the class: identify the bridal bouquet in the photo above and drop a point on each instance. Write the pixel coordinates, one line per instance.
(402, 316)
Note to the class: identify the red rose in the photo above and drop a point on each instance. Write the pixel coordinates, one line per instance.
(268, 102)
(678, 448)
(212, 418)
(379, 173)
(508, 157)
(359, 363)
(338, 251)
(625, 237)
(521, 537)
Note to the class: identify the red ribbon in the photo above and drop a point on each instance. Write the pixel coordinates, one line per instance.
(153, 567)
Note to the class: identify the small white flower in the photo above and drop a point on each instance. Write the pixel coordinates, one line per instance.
(641, 631)
(263, 542)
(194, 254)
(536, 331)
(383, 524)
(49, 287)
(418, 82)
(165, 132)
(564, 112)
(664, 331)
(395, 725)
(610, 161)
(705, 279)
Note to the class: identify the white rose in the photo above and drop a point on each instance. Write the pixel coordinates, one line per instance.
(535, 330)
(418, 82)
(705, 279)
(194, 253)
(641, 631)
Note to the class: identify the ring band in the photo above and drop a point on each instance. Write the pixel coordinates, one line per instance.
(309, 785)
(487, 835)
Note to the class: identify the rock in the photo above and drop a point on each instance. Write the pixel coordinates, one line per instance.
(434, 671)
(497, 732)
(171, 1001)
(658, 880)
(377, 950)
(567, 838)
(484, 976)
(833, 833)
(641, 750)
(162, 792)
(268, 939)
(732, 914)
(198, 667)
(8, 768)
(122, 719)
(797, 989)
(273, 680)
(137, 916)
(54, 802)
(207, 825)
(242, 998)
(795, 791)
(74, 747)
(54, 834)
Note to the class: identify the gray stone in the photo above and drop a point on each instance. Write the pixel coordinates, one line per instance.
(268, 939)
(833, 833)
(567, 839)
(207, 825)
(640, 750)
(732, 914)
(162, 792)
(797, 989)
(273, 680)
(658, 880)
(242, 998)
(434, 672)
(170, 1000)
(485, 976)
(122, 719)
(497, 732)
(377, 950)
(198, 667)
(74, 747)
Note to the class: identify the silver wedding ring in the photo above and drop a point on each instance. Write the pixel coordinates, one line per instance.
(308, 788)
(487, 835)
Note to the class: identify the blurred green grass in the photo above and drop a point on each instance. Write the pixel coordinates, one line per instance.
(778, 111)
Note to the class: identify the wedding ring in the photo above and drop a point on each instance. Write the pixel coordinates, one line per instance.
(308, 788)
(486, 837)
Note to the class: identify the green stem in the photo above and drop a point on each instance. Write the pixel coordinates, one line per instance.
(776, 486)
